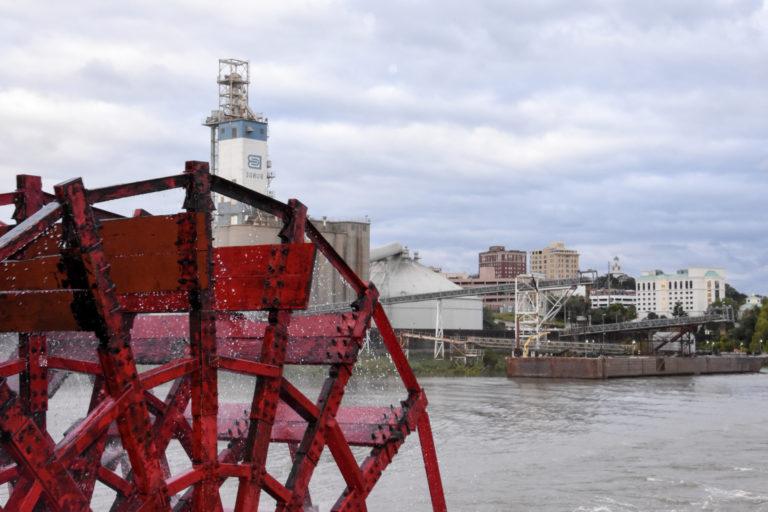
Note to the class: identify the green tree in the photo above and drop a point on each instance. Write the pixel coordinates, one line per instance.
(613, 313)
(616, 283)
(727, 302)
(761, 329)
(744, 330)
(652, 316)
(678, 311)
(492, 360)
(599, 316)
(576, 306)
(726, 345)
(489, 322)
(735, 295)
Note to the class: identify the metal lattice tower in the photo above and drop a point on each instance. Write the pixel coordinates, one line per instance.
(239, 149)
(537, 301)
(233, 80)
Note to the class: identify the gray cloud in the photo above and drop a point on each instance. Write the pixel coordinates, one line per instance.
(624, 128)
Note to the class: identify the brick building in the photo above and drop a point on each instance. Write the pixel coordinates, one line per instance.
(499, 263)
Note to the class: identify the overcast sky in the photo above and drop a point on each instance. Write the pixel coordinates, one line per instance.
(625, 128)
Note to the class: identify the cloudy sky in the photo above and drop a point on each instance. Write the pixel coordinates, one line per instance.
(625, 128)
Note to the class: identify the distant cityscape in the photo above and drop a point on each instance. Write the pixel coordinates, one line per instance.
(240, 153)
(654, 293)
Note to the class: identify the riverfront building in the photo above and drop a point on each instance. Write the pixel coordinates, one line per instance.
(499, 263)
(555, 262)
(695, 288)
(603, 297)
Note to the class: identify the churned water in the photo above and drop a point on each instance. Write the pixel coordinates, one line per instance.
(659, 444)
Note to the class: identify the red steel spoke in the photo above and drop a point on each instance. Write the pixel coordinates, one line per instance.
(313, 442)
(267, 393)
(25, 496)
(115, 355)
(33, 450)
(202, 338)
(430, 463)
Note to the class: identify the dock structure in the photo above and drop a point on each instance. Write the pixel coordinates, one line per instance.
(543, 285)
(543, 299)
(91, 292)
(723, 315)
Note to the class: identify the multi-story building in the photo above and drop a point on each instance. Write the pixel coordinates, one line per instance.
(604, 297)
(695, 288)
(499, 263)
(555, 262)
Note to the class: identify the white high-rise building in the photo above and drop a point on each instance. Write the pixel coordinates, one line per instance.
(695, 288)
(239, 150)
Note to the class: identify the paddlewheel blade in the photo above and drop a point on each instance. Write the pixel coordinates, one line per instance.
(146, 302)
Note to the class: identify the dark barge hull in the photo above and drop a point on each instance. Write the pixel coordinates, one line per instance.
(617, 367)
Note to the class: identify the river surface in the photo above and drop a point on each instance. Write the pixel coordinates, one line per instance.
(657, 444)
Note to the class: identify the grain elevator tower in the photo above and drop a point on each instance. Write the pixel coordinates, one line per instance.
(238, 141)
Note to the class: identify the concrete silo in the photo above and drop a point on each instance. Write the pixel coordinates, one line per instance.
(396, 273)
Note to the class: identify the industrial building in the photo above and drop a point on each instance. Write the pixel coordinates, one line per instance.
(240, 153)
(555, 262)
(500, 263)
(395, 273)
(239, 149)
(695, 288)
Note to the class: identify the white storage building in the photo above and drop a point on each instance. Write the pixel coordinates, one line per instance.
(395, 273)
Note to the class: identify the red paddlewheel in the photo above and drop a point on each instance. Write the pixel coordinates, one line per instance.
(84, 288)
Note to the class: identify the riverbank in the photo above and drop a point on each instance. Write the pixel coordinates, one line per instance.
(492, 365)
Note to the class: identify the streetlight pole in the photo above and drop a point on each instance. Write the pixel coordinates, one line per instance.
(603, 330)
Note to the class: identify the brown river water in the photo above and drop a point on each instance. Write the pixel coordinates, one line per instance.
(657, 444)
